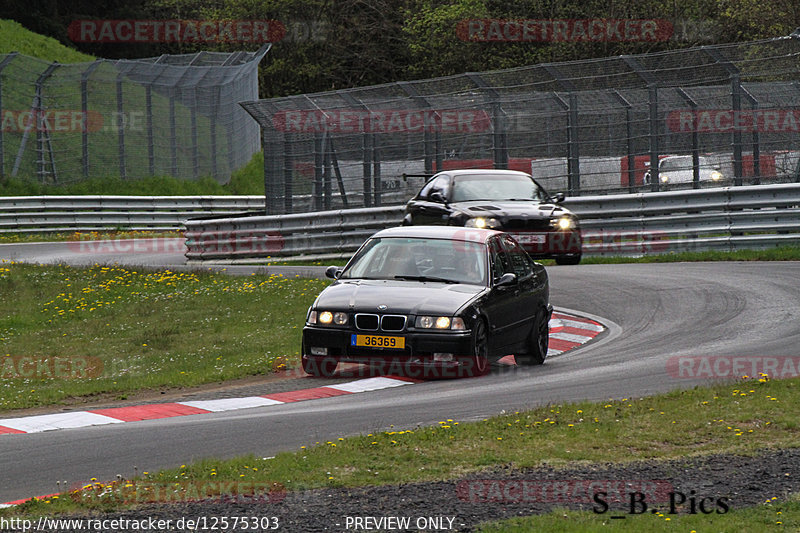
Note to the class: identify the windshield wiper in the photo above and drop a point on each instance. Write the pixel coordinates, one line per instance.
(427, 278)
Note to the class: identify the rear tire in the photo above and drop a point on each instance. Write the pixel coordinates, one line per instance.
(538, 342)
(319, 366)
(568, 259)
(478, 363)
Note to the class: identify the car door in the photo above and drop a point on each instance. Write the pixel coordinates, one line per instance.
(528, 299)
(501, 303)
(430, 207)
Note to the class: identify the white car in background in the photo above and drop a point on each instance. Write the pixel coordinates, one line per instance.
(678, 169)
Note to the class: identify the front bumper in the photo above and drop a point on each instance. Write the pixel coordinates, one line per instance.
(416, 360)
(549, 244)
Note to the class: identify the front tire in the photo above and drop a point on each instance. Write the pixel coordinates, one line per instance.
(478, 363)
(319, 366)
(538, 342)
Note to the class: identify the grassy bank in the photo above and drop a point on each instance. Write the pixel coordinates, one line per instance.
(114, 331)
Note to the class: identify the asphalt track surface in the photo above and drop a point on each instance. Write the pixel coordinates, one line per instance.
(653, 311)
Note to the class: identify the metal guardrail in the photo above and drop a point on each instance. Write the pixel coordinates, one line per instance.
(38, 214)
(725, 218)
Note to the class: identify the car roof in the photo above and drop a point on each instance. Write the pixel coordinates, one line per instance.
(453, 233)
(485, 171)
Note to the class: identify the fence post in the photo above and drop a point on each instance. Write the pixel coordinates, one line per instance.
(629, 139)
(756, 138)
(652, 98)
(85, 75)
(736, 107)
(573, 148)
(695, 138)
(499, 143)
(120, 126)
(288, 172)
(3, 64)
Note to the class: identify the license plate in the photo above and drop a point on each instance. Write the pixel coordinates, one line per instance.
(378, 341)
(531, 238)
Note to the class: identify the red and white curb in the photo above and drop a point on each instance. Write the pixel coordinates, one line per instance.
(566, 332)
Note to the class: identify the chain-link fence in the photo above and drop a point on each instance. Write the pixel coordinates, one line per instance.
(174, 115)
(727, 114)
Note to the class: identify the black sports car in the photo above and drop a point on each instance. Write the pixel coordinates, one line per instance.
(506, 200)
(433, 302)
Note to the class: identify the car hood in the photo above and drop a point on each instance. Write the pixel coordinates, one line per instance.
(399, 297)
(514, 209)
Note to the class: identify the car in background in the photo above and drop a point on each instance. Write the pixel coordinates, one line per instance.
(432, 301)
(505, 200)
(678, 169)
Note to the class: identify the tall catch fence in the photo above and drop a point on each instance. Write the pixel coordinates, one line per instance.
(581, 127)
(173, 115)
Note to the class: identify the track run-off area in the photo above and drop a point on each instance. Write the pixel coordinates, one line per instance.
(665, 323)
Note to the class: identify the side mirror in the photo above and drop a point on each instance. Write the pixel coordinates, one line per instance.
(559, 197)
(333, 272)
(506, 280)
(437, 196)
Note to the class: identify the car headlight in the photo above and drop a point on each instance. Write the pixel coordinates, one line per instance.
(439, 322)
(716, 175)
(563, 223)
(482, 223)
(327, 317)
(664, 178)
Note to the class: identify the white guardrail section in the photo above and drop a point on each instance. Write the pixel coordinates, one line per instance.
(724, 218)
(37, 214)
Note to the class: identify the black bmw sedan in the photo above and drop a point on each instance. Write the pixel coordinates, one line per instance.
(506, 200)
(430, 301)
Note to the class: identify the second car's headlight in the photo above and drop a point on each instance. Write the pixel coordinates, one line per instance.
(563, 223)
(716, 175)
(482, 223)
(439, 322)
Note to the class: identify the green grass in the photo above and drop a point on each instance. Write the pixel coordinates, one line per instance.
(771, 516)
(781, 253)
(14, 37)
(248, 180)
(140, 330)
(744, 417)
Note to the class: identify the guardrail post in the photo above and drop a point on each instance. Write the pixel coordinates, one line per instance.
(3, 64)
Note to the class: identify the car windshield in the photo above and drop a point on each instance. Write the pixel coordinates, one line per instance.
(681, 163)
(468, 187)
(420, 259)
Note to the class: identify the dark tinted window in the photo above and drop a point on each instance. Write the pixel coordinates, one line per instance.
(521, 263)
(468, 187)
(500, 261)
(440, 184)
